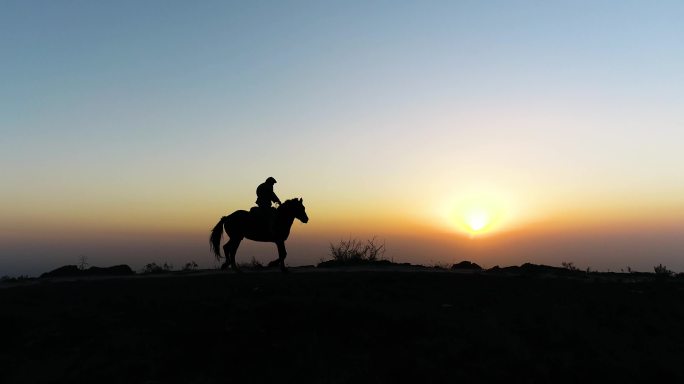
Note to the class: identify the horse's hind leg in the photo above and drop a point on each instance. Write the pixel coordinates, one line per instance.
(226, 251)
(231, 250)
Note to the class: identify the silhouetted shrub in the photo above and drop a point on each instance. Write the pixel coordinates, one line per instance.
(355, 250)
(9, 279)
(569, 266)
(154, 268)
(662, 271)
(255, 264)
(441, 266)
(190, 266)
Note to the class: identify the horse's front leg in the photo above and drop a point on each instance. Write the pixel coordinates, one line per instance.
(281, 255)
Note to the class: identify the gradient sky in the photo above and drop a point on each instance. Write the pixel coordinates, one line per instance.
(130, 127)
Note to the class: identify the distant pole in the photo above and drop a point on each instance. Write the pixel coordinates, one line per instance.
(82, 262)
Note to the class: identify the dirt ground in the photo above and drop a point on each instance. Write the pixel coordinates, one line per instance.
(342, 326)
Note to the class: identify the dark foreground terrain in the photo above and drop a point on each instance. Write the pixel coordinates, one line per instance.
(342, 327)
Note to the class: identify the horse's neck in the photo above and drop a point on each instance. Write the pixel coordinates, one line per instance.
(284, 221)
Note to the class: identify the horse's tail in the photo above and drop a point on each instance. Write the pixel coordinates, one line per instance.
(215, 238)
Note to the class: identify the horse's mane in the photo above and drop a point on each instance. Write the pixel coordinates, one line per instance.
(288, 203)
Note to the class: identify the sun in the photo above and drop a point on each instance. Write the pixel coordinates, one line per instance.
(476, 216)
(477, 220)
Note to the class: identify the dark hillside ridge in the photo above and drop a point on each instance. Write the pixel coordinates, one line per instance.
(74, 271)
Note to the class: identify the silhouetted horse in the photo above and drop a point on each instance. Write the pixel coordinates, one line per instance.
(242, 224)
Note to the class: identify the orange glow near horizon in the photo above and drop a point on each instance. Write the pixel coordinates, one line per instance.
(475, 216)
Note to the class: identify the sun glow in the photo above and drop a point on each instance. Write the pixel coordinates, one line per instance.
(477, 216)
(477, 220)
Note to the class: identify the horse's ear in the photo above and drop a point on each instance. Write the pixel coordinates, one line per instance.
(301, 200)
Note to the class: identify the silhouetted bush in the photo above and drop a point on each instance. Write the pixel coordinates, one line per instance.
(441, 266)
(356, 250)
(662, 271)
(254, 264)
(9, 279)
(154, 268)
(190, 266)
(569, 266)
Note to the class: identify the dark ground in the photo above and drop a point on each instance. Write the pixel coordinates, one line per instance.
(342, 327)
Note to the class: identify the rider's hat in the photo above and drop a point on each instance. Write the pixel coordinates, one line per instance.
(271, 180)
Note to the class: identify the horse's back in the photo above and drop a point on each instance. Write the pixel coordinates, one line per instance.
(248, 224)
(238, 223)
(239, 213)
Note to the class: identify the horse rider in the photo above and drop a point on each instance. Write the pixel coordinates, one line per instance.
(265, 196)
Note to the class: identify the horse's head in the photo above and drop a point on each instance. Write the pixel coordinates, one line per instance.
(296, 208)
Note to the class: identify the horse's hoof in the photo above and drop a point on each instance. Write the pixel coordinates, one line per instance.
(274, 263)
(224, 266)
